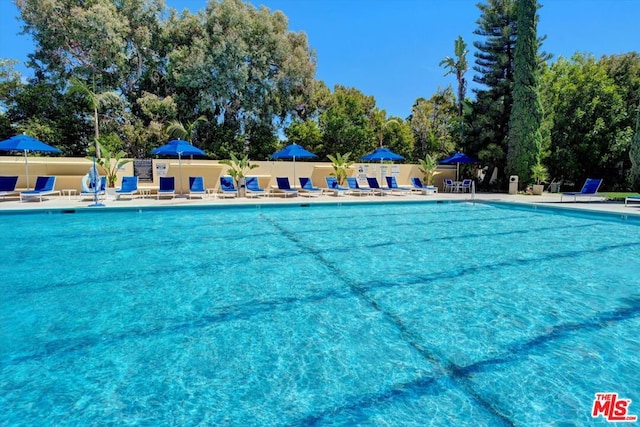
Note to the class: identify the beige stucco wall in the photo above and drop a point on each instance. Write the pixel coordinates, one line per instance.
(70, 170)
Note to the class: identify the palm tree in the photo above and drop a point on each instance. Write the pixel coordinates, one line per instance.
(340, 165)
(458, 66)
(176, 129)
(95, 100)
(384, 125)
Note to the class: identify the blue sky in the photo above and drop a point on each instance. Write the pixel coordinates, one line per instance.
(391, 49)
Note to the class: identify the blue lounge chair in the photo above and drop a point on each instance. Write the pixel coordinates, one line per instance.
(8, 186)
(375, 187)
(196, 187)
(631, 199)
(589, 189)
(228, 187)
(167, 187)
(355, 189)
(129, 187)
(307, 188)
(253, 189)
(284, 187)
(333, 186)
(418, 186)
(45, 185)
(87, 190)
(395, 188)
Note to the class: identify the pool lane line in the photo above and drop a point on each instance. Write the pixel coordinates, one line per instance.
(406, 334)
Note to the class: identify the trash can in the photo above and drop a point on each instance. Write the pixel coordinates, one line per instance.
(554, 187)
(513, 184)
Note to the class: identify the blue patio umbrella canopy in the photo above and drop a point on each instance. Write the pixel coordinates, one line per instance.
(381, 154)
(293, 151)
(26, 143)
(458, 158)
(179, 147)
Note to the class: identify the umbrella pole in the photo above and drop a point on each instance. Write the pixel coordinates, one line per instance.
(180, 171)
(294, 171)
(26, 167)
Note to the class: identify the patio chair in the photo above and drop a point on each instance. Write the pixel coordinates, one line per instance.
(167, 187)
(8, 186)
(418, 186)
(45, 185)
(465, 186)
(355, 189)
(228, 187)
(334, 187)
(375, 187)
(589, 190)
(307, 188)
(284, 187)
(129, 187)
(395, 188)
(196, 187)
(449, 186)
(252, 187)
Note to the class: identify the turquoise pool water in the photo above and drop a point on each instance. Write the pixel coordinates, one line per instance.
(404, 314)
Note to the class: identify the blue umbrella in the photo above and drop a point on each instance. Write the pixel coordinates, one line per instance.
(179, 147)
(25, 143)
(458, 158)
(293, 151)
(381, 154)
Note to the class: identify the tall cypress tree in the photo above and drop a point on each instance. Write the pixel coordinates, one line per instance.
(525, 138)
(634, 153)
(494, 63)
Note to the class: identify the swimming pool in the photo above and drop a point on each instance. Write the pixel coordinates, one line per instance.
(404, 314)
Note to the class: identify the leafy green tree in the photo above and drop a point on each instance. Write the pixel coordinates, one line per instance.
(9, 82)
(239, 65)
(305, 133)
(586, 113)
(111, 43)
(525, 138)
(41, 105)
(398, 137)
(634, 155)
(433, 122)
(459, 67)
(346, 123)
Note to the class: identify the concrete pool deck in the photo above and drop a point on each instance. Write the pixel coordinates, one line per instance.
(547, 199)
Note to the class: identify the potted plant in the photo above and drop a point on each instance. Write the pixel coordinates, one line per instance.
(428, 168)
(238, 169)
(539, 174)
(340, 164)
(110, 164)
